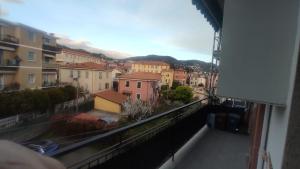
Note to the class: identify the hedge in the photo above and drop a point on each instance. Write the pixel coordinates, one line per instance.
(37, 100)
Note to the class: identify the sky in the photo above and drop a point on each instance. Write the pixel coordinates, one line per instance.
(120, 28)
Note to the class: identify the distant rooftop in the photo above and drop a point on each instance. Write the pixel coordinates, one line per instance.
(151, 63)
(141, 76)
(86, 65)
(112, 96)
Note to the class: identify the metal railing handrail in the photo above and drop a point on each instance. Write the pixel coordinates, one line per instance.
(119, 130)
(116, 146)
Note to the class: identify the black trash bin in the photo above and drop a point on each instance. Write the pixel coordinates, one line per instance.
(220, 120)
(233, 122)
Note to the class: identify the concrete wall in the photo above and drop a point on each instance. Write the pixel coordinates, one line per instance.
(257, 47)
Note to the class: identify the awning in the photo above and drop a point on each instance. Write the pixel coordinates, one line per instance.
(212, 11)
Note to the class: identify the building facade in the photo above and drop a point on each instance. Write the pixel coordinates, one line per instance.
(197, 80)
(149, 66)
(140, 86)
(109, 101)
(155, 67)
(180, 75)
(27, 57)
(167, 77)
(91, 77)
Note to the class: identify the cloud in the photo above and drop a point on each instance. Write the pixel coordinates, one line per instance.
(3, 12)
(12, 1)
(88, 46)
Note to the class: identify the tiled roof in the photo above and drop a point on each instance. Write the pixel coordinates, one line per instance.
(86, 65)
(112, 96)
(152, 63)
(141, 76)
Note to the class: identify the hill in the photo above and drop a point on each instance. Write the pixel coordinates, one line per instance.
(204, 66)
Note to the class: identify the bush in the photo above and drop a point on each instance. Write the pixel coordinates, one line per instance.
(183, 94)
(70, 92)
(56, 96)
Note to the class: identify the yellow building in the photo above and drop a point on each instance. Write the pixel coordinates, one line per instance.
(155, 67)
(109, 101)
(149, 66)
(91, 77)
(27, 57)
(167, 77)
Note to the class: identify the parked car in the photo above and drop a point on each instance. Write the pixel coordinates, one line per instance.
(46, 147)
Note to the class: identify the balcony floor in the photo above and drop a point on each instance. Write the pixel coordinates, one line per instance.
(215, 150)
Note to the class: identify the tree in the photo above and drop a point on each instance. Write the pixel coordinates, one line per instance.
(56, 96)
(183, 94)
(175, 84)
(138, 110)
(70, 92)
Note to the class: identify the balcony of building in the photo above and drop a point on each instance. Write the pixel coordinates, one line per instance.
(10, 63)
(8, 42)
(178, 138)
(49, 62)
(50, 47)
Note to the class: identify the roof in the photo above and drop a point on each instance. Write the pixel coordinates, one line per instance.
(112, 96)
(77, 52)
(86, 65)
(212, 11)
(151, 63)
(141, 76)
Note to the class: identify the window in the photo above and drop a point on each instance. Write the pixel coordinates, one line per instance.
(99, 86)
(31, 78)
(127, 84)
(1, 57)
(31, 56)
(71, 73)
(100, 75)
(31, 36)
(46, 40)
(47, 60)
(1, 81)
(86, 74)
(106, 85)
(107, 75)
(78, 74)
(139, 85)
(138, 96)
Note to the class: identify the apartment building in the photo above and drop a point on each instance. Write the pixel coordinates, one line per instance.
(91, 77)
(27, 57)
(180, 75)
(149, 66)
(155, 67)
(167, 77)
(68, 55)
(197, 79)
(140, 86)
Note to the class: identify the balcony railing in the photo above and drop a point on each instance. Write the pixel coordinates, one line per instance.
(50, 66)
(10, 63)
(50, 49)
(166, 120)
(47, 84)
(9, 41)
(9, 87)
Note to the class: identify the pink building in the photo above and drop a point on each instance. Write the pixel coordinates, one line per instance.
(140, 85)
